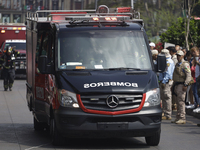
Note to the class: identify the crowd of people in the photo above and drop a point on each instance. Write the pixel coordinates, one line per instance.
(180, 83)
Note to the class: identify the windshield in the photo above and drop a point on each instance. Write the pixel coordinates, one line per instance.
(18, 46)
(102, 50)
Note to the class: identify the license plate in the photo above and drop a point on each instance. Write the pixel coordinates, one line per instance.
(21, 66)
(112, 125)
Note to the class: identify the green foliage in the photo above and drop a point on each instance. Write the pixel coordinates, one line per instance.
(157, 16)
(176, 33)
(196, 11)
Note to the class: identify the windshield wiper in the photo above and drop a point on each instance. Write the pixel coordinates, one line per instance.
(123, 68)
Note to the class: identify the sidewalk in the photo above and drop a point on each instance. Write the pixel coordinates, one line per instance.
(191, 113)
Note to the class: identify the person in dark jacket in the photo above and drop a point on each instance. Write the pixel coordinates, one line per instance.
(7, 61)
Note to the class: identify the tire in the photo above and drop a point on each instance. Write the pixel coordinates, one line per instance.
(38, 126)
(56, 138)
(154, 139)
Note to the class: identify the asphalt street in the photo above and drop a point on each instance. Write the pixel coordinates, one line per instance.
(17, 133)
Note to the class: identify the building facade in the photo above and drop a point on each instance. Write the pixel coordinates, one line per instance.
(15, 11)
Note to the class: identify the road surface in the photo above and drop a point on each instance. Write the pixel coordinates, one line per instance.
(17, 133)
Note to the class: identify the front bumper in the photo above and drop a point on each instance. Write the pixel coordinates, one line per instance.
(76, 123)
(20, 71)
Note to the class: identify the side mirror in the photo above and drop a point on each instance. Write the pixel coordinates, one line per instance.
(43, 66)
(161, 63)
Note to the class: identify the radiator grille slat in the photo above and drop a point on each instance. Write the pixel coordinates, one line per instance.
(98, 102)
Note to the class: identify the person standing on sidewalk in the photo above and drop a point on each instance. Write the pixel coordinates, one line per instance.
(172, 52)
(154, 56)
(195, 53)
(7, 61)
(166, 82)
(152, 45)
(191, 90)
(181, 78)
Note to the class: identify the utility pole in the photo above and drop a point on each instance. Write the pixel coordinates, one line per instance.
(96, 2)
(82, 4)
(132, 4)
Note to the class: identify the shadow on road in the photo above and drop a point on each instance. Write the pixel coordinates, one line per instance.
(25, 135)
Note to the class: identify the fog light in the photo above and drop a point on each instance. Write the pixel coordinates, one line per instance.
(75, 105)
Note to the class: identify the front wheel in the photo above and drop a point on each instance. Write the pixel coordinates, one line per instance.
(154, 139)
(56, 138)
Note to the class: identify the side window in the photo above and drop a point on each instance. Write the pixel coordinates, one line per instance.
(47, 46)
(6, 45)
(39, 42)
(51, 47)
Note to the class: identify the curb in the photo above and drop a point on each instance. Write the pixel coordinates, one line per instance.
(191, 113)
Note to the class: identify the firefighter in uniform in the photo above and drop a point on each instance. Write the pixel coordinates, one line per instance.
(7, 61)
(182, 78)
(166, 82)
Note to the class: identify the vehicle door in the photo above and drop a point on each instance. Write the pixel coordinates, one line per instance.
(41, 79)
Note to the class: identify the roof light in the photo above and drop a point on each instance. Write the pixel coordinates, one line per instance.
(113, 18)
(19, 28)
(110, 18)
(96, 19)
(14, 28)
(3, 31)
(107, 18)
(123, 9)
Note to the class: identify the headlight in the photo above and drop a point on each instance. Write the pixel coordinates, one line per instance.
(68, 99)
(152, 98)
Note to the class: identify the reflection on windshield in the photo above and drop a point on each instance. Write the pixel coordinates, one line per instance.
(102, 50)
(18, 46)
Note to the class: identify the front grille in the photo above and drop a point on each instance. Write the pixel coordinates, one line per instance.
(98, 102)
(21, 57)
(20, 61)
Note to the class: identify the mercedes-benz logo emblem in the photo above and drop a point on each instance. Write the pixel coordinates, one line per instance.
(112, 101)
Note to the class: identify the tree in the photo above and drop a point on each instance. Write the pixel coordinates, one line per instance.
(190, 4)
(196, 10)
(176, 33)
(158, 14)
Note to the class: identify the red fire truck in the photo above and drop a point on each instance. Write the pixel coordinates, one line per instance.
(12, 31)
(91, 74)
(14, 34)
